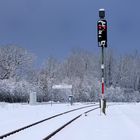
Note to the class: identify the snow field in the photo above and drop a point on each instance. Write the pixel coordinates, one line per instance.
(121, 122)
(14, 116)
(40, 131)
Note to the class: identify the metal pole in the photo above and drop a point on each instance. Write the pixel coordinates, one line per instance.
(103, 100)
(102, 42)
(102, 68)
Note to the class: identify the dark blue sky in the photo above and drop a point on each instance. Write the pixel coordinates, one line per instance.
(55, 27)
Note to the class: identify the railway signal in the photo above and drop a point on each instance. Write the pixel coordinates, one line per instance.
(102, 42)
(102, 33)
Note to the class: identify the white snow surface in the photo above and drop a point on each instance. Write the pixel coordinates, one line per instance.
(122, 122)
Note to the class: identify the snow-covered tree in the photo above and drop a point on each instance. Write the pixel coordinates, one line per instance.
(14, 61)
(47, 76)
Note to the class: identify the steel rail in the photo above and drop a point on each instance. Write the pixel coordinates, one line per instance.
(46, 119)
(68, 123)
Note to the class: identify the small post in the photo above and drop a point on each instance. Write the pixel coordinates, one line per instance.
(102, 42)
(51, 98)
(71, 99)
(33, 99)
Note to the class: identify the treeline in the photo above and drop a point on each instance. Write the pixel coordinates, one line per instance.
(81, 69)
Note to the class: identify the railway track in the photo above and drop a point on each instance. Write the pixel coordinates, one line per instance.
(68, 123)
(46, 119)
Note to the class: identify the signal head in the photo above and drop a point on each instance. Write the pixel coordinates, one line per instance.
(102, 13)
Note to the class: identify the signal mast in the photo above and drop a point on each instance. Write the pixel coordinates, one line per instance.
(102, 42)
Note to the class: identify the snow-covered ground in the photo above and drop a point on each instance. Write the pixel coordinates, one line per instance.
(14, 116)
(121, 122)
